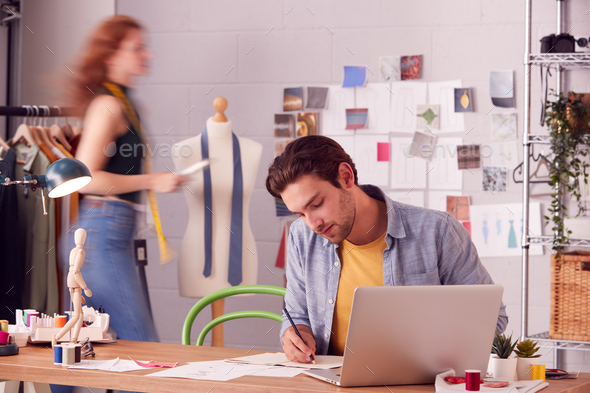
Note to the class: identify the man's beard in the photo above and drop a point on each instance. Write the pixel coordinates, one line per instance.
(347, 210)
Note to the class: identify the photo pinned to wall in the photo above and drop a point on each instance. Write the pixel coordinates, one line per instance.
(389, 68)
(443, 94)
(284, 125)
(307, 123)
(502, 88)
(427, 117)
(494, 179)
(356, 118)
(496, 230)
(458, 207)
(468, 157)
(410, 67)
(407, 171)
(405, 96)
(463, 101)
(504, 154)
(504, 126)
(376, 98)
(422, 146)
(317, 97)
(354, 76)
(280, 145)
(281, 209)
(442, 169)
(369, 169)
(334, 115)
(293, 99)
(412, 197)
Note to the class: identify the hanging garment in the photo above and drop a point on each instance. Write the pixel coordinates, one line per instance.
(235, 246)
(11, 269)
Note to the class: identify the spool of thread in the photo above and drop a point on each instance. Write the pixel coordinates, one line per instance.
(4, 337)
(68, 355)
(60, 321)
(78, 353)
(30, 316)
(472, 379)
(4, 325)
(538, 372)
(25, 315)
(57, 354)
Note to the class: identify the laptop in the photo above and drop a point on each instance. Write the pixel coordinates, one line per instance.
(407, 335)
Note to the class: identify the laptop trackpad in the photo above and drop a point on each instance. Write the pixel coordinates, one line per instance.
(331, 375)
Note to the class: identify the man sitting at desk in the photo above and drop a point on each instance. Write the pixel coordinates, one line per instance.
(350, 236)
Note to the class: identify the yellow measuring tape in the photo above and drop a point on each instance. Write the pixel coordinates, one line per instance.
(166, 253)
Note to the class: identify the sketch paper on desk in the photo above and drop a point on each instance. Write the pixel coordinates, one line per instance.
(333, 118)
(443, 94)
(376, 98)
(369, 170)
(405, 97)
(496, 230)
(503, 154)
(437, 200)
(406, 171)
(218, 370)
(413, 197)
(442, 169)
(346, 142)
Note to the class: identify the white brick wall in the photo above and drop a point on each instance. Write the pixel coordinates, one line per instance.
(274, 44)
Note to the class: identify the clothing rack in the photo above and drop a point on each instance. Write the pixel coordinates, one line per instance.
(36, 111)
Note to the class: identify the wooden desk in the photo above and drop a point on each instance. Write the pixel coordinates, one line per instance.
(35, 364)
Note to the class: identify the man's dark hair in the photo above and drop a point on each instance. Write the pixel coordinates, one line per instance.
(311, 155)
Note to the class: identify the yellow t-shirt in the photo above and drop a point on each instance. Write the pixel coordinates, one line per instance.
(362, 266)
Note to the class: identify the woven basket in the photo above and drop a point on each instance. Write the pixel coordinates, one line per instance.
(570, 296)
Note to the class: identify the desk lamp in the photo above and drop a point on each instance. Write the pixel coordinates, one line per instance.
(63, 177)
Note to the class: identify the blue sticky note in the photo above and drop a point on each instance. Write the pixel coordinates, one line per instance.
(354, 76)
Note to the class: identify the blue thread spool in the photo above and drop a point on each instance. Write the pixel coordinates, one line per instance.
(57, 354)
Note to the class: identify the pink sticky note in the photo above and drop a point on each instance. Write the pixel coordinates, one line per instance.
(467, 225)
(152, 363)
(382, 151)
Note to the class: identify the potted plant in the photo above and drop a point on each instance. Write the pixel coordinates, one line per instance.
(502, 366)
(567, 119)
(526, 354)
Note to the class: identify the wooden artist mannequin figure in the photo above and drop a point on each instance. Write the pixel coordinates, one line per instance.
(75, 284)
(191, 261)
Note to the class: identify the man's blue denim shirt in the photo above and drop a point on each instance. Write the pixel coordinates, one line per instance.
(424, 247)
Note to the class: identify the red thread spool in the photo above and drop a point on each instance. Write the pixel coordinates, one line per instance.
(472, 379)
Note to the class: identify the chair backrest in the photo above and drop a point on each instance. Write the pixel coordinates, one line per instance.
(222, 293)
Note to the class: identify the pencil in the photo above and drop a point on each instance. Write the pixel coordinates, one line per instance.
(296, 331)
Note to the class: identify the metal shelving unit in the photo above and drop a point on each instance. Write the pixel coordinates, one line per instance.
(559, 62)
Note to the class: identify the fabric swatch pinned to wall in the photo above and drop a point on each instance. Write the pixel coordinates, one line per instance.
(504, 126)
(410, 67)
(317, 97)
(468, 157)
(307, 123)
(494, 179)
(356, 118)
(284, 125)
(502, 88)
(293, 99)
(463, 101)
(389, 68)
(354, 76)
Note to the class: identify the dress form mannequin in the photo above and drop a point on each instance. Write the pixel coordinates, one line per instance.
(191, 259)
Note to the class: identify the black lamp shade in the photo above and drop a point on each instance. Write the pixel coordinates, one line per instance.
(65, 176)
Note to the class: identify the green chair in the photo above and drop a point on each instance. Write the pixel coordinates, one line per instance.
(222, 293)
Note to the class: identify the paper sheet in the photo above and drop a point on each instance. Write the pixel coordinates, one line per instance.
(323, 362)
(503, 154)
(443, 94)
(406, 95)
(414, 198)
(218, 370)
(376, 97)
(114, 365)
(369, 170)
(496, 230)
(406, 172)
(442, 170)
(333, 118)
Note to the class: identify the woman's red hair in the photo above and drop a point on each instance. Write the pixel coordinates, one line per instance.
(91, 70)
